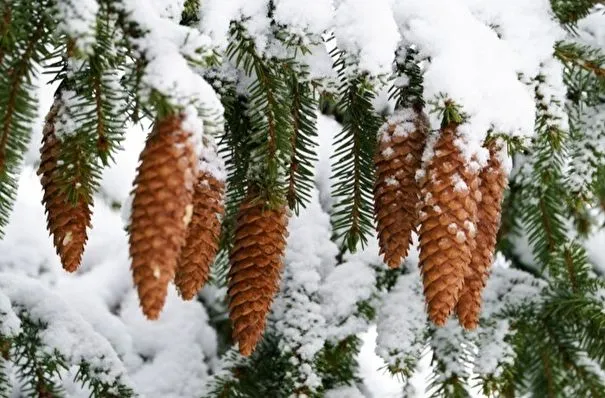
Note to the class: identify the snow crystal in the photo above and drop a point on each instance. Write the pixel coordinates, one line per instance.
(401, 328)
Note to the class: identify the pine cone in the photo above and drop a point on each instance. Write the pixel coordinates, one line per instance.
(66, 222)
(256, 266)
(193, 268)
(161, 211)
(493, 183)
(396, 192)
(449, 212)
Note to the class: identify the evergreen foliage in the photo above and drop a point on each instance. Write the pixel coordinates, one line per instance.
(546, 309)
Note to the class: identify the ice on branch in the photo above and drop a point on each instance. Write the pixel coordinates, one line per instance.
(78, 20)
(297, 310)
(401, 324)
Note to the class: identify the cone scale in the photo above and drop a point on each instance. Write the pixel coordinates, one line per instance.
(493, 184)
(450, 191)
(161, 211)
(193, 268)
(256, 266)
(67, 222)
(396, 192)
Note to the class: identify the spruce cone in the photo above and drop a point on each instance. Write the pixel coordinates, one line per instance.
(396, 192)
(449, 212)
(66, 222)
(193, 268)
(493, 183)
(256, 266)
(161, 211)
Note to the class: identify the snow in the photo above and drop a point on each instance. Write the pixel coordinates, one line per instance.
(401, 323)
(367, 31)
(65, 331)
(344, 392)
(297, 311)
(486, 72)
(78, 21)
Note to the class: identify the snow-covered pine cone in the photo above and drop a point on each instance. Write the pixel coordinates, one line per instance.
(66, 222)
(450, 192)
(256, 268)
(193, 268)
(401, 142)
(161, 211)
(493, 181)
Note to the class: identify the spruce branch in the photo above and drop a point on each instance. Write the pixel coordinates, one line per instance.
(24, 48)
(353, 160)
(303, 143)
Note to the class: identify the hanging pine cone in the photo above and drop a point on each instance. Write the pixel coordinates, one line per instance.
(161, 211)
(449, 212)
(493, 183)
(193, 268)
(396, 193)
(256, 266)
(66, 222)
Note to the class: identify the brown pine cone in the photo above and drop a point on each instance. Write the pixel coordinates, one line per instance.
(493, 183)
(396, 192)
(193, 268)
(450, 194)
(256, 267)
(66, 222)
(161, 211)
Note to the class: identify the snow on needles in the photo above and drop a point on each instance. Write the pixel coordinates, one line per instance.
(367, 29)
(401, 323)
(298, 308)
(79, 21)
(486, 83)
(66, 331)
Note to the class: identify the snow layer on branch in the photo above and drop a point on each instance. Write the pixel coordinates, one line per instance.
(589, 149)
(486, 83)
(176, 347)
(591, 30)
(401, 323)
(346, 286)
(304, 17)
(167, 46)
(66, 331)
(344, 392)
(217, 16)
(529, 27)
(450, 347)
(367, 30)
(509, 288)
(297, 309)
(506, 288)
(10, 324)
(78, 20)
